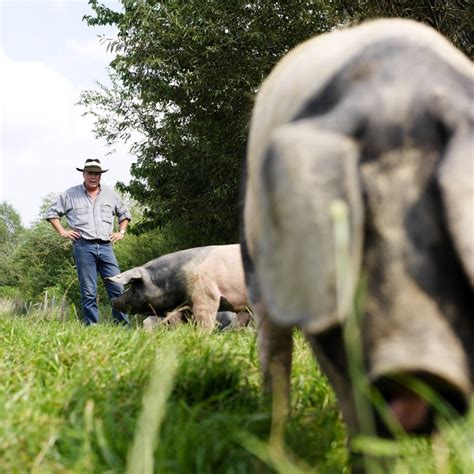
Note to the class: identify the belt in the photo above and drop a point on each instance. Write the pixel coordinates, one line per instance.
(97, 241)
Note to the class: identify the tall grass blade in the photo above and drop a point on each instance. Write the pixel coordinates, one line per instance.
(272, 456)
(140, 457)
(47, 446)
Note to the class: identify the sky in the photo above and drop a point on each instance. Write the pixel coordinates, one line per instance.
(48, 55)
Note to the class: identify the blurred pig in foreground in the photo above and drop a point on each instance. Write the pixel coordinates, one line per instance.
(376, 120)
(207, 279)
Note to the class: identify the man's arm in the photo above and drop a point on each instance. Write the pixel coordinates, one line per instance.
(54, 213)
(124, 217)
(67, 234)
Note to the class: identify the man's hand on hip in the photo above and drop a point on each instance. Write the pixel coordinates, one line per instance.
(71, 234)
(116, 236)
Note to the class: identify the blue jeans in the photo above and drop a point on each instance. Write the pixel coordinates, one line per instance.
(92, 259)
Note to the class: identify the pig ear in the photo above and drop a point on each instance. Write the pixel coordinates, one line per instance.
(456, 181)
(304, 173)
(126, 277)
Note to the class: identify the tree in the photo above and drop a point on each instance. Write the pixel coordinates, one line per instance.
(10, 224)
(452, 18)
(183, 82)
(43, 261)
(11, 231)
(184, 77)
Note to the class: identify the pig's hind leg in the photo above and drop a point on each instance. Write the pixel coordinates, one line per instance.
(205, 312)
(275, 345)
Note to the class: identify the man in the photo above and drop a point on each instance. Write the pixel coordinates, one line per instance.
(90, 209)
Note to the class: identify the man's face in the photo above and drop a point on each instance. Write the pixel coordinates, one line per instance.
(91, 179)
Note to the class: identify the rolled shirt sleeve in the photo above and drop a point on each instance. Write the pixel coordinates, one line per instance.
(121, 211)
(58, 209)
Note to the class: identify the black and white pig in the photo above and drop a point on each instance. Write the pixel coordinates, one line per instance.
(207, 279)
(377, 120)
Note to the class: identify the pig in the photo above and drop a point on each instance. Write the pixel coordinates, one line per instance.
(365, 132)
(207, 279)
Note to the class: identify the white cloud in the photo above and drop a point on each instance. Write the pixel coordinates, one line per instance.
(44, 137)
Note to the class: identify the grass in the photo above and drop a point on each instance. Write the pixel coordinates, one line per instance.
(72, 400)
(77, 399)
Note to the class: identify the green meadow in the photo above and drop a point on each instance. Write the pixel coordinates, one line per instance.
(102, 399)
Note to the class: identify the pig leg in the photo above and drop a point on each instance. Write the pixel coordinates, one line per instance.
(173, 318)
(242, 319)
(275, 351)
(205, 313)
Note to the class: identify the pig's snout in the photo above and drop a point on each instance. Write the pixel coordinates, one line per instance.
(414, 398)
(118, 303)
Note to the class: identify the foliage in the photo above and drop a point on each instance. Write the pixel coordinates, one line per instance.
(184, 77)
(43, 261)
(11, 231)
(453, 18)
(10, 223)
(44, 266)
(136, 250)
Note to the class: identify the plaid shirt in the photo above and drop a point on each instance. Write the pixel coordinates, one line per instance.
(93, 218)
